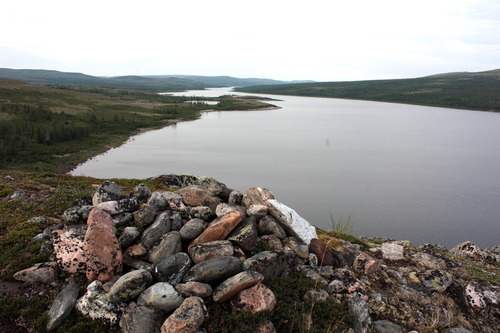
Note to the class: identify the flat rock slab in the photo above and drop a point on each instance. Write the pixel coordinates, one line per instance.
(220, 228)
(210, 250)
(68, 249)
(102, 252)
(61, 307)
(391, 251)
(235, 284)
(45, 272)
(214, 270)
(291, 221)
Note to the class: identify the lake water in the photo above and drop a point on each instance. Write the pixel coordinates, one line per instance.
(407, 172)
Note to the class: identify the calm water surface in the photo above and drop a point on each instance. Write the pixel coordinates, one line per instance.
(407, 172)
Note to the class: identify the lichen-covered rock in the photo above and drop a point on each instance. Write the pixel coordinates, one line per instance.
(68, 248)
(95, 305)
(257, 210)
(62, 305)
(161, 296)
(271, 264)
(292, 222)
(102, 253)
(201, 212)
(214, 270)
(258, 298)
(391, 251)
(361, 316)
(220, 228)
(365, 264)
(128, 235)
(235, 284)
(199, 196)
(296, 246)
(245, 235)
(142, 319)
(107, 191)
(174, 201)
(169, 245)
(468, 249)
(129, 285)
(225, 208)
(119, 206)
(143, 216)
(45, 272)
(141, 192)
(429, 261)
(187, 318)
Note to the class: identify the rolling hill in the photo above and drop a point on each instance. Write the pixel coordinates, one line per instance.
(464, 90)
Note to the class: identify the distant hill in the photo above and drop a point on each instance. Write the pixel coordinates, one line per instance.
(147, 82)
(464, 90)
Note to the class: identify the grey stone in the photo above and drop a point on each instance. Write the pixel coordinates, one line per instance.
(245, 235)
(136, 263)
(214, 270)
(129, 285)
(224, 208)
(296, 246)
(128, 236)
(61, 307)
(161, 225)
(235, 197)
(201, 212)
(386, 326)
(192, 229)
(271, 264)
(45, 272)
(170, 244)
(258, 210)
(174, 201)
(343, 258)
(157, 201)
(210, 250)
(457, 330)
(361, 317)
(107, 191)
(143, 216)
(269, 226)
(122, 219)
(142, 319)
(161, 296)
(194, 288)
(171, 269)
(141, 192)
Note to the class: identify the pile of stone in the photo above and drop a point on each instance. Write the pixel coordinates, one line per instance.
(152, 261)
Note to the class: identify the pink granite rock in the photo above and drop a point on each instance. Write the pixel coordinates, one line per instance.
(68, 249)
(365, 264)
(256, 196)
(235, 284)
(259, 298)
(198, 196)
(102, 251)
(194, 288)
(187, 318)
(220, 228)
(100, 216)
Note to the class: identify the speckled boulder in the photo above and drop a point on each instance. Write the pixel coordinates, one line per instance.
(129, 286)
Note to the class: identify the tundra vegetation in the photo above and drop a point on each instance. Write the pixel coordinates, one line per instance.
(472, 91)
(52, 128)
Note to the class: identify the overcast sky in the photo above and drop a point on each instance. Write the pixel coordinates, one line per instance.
(324, 40)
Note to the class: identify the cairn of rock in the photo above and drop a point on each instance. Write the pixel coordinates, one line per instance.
(152, 260)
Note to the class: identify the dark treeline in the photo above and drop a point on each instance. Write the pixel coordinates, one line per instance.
(28, 125)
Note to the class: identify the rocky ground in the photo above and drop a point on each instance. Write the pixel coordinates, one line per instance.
(196, 256)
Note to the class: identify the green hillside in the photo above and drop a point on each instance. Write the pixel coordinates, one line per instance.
(473, 91)
(53, 128)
